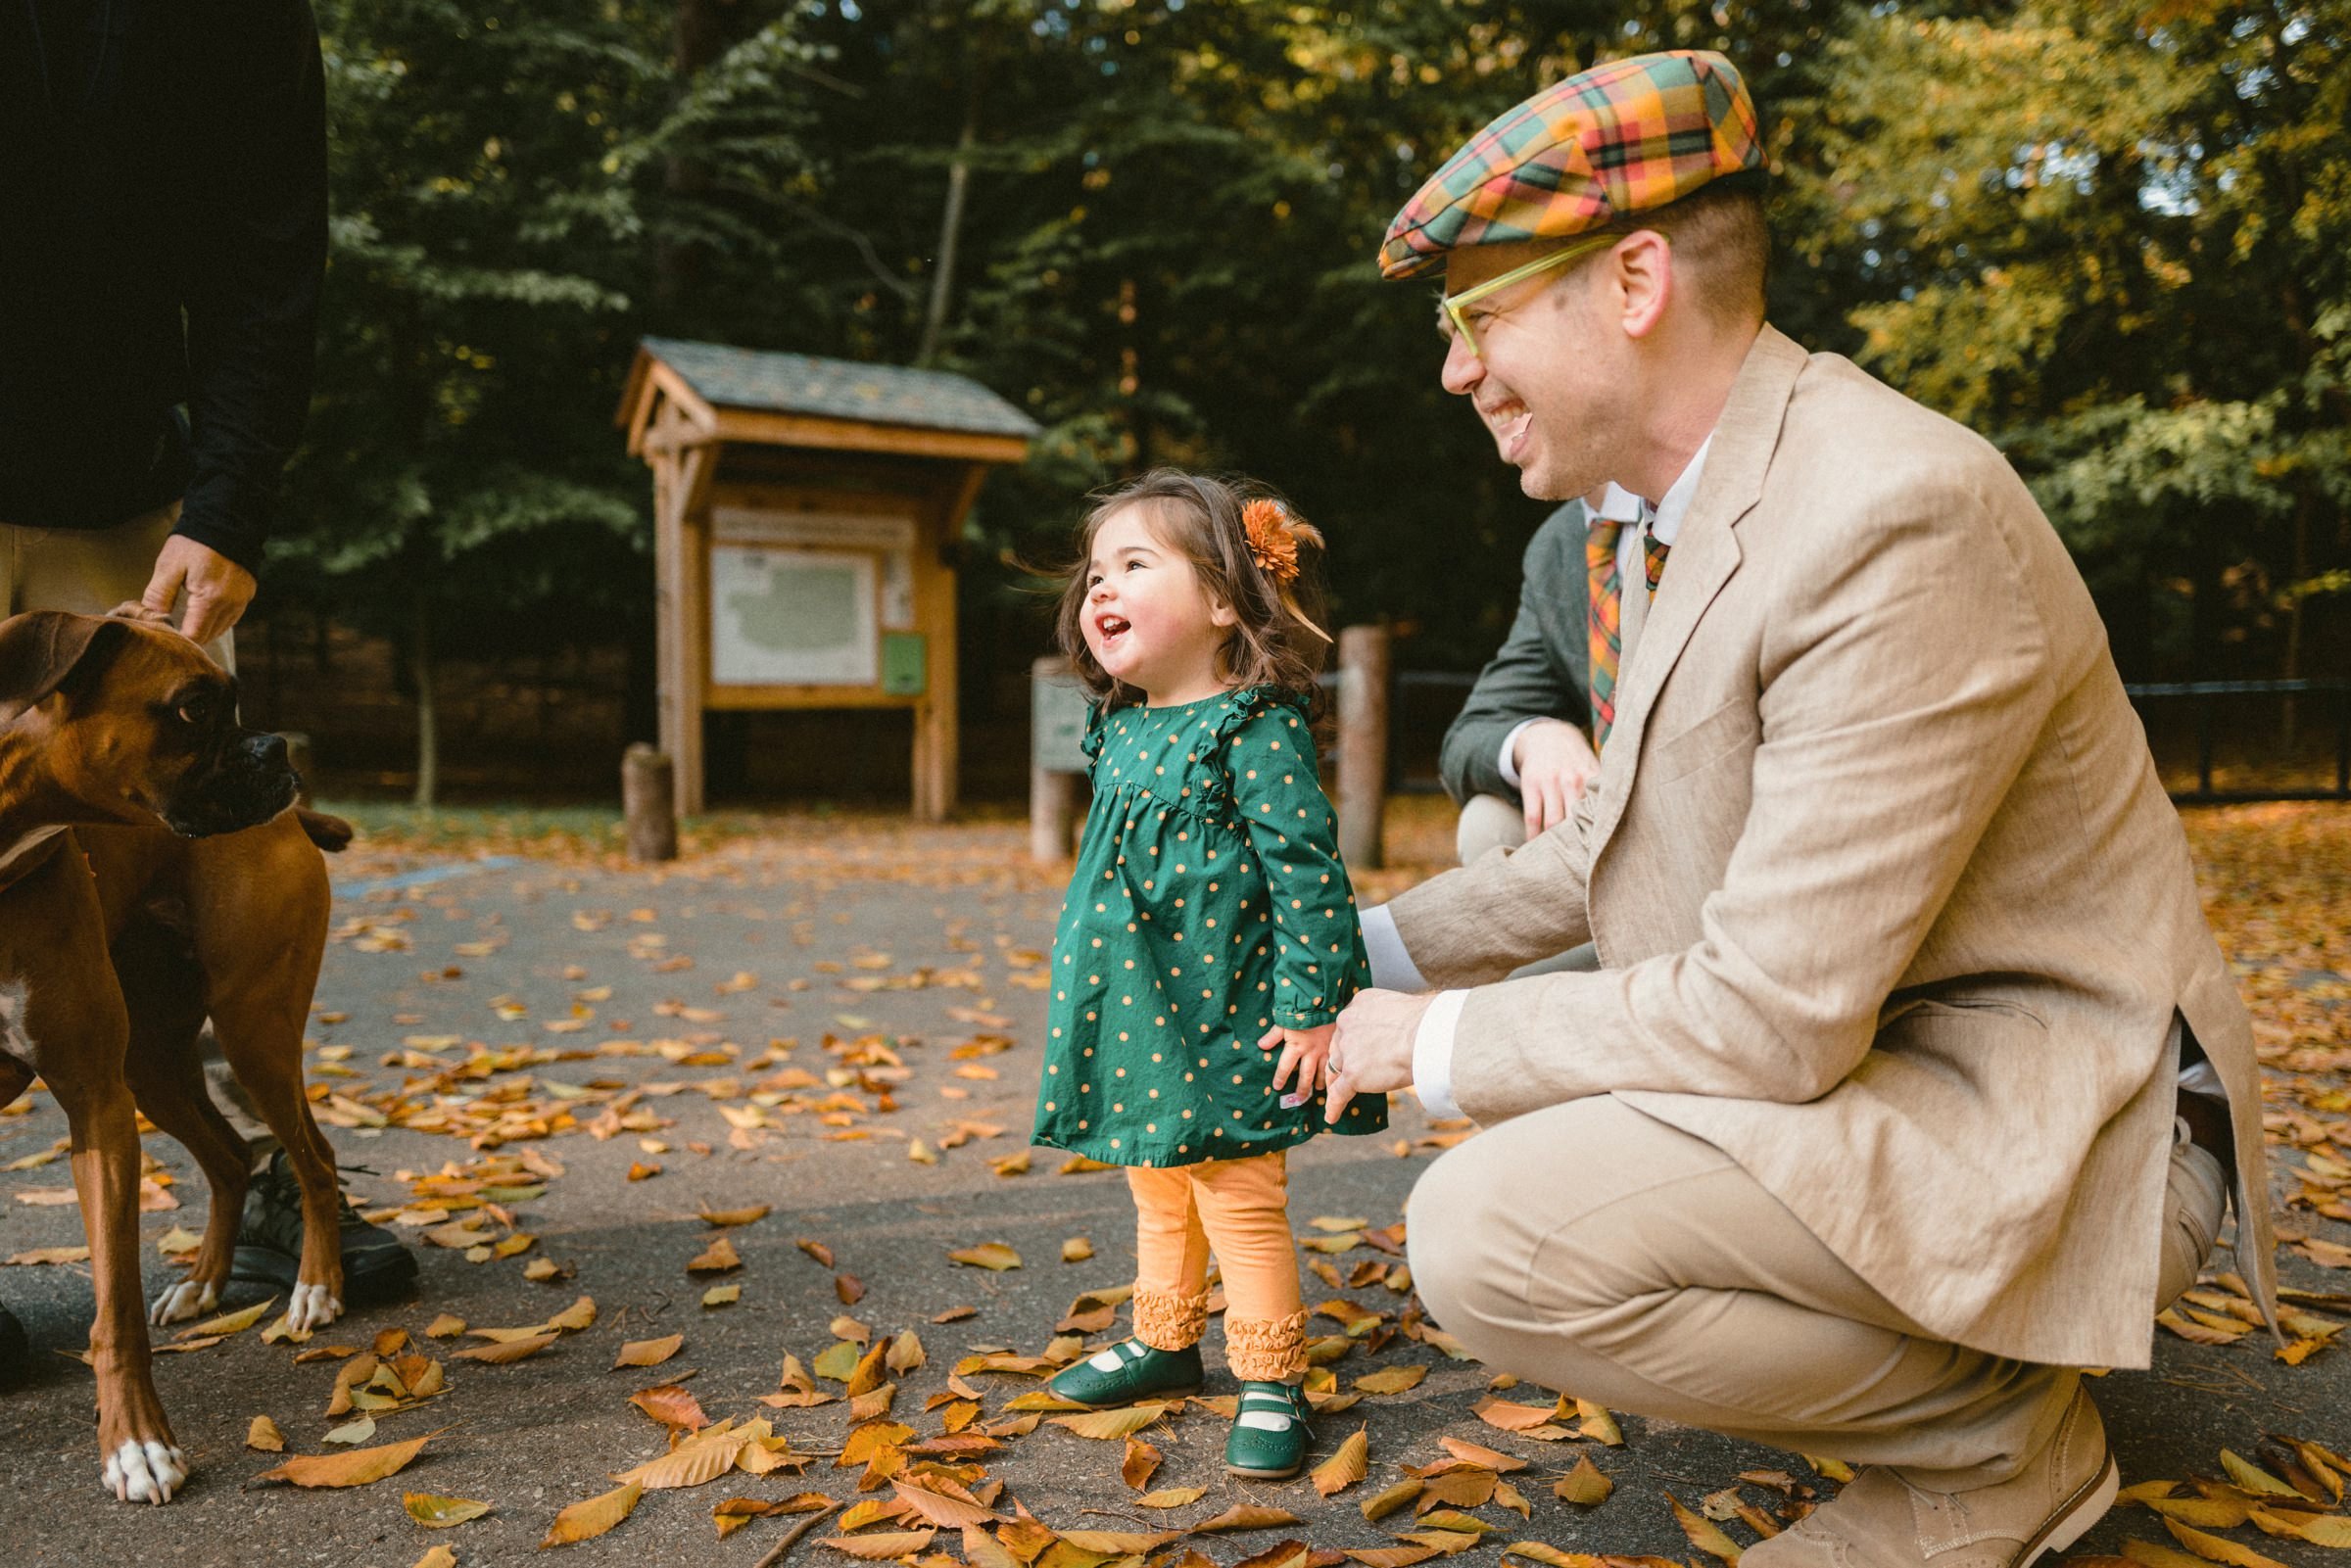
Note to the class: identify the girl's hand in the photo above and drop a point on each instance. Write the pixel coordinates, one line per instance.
(1303, 1052)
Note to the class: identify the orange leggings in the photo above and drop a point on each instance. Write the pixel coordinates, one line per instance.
(1240, 1208)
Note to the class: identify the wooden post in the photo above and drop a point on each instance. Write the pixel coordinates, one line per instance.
(648, 803)
(682, 471)
(1363, 742)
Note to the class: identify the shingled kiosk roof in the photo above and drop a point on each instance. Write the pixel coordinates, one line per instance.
(839, 389)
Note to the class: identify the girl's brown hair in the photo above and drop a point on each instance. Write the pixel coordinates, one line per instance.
(1277, 640)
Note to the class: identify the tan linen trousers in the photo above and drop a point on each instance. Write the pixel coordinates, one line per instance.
(1595, 1251)
(90, 571)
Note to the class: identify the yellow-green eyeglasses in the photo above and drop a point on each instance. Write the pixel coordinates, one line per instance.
(1456, 305)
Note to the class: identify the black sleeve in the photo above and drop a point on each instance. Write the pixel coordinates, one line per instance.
(254, 259)
(1535, 675)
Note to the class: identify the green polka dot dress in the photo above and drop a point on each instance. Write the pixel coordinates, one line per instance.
(1209, 905)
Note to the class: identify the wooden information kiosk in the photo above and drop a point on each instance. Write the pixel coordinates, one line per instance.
(804, 512)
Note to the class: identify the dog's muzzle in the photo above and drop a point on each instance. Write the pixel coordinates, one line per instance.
(250, 780)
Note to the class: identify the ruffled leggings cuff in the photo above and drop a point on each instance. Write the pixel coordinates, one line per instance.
(1169, 1320)
(1263, 1350)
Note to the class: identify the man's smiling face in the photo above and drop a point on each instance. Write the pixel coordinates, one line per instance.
(1540, 378)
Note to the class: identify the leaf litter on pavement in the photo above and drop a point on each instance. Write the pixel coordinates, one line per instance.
(913, 1472)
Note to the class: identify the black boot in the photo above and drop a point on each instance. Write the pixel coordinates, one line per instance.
(15, 1356)
(376, 1265)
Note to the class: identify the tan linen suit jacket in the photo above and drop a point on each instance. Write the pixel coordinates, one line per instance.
(1891, 904)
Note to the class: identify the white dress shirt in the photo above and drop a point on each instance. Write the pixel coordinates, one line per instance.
(1392, 968)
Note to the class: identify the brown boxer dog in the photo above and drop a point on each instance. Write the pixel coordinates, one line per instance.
(140, 823)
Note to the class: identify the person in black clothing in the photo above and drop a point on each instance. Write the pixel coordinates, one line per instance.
(162, 241)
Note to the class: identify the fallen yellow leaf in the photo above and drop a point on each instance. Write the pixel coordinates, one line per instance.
(1703, 1533)
(1245, 1516)
(876, 1547)
(1392, 1380)
(1346, 1468)
(592, 1516)
(49, 1255)
(438, 1512)
(357, 1468)
(717, 1259)
(1583, 1485)
(649, 1353)
(577, 1318)
(992, 1255)
(1110, 1425)
(701, 1458)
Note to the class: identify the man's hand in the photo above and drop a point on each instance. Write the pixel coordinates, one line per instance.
(218, 588)
(1555, 762)
(1372, 1050)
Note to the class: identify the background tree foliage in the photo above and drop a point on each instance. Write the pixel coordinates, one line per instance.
(2112, 239)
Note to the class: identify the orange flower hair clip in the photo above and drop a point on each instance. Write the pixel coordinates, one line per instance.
(1271, 542)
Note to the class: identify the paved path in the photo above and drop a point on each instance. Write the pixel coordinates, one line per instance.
(714, 980)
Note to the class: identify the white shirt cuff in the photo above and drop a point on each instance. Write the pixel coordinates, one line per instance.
(1432, 1054)
(1510, 744)
(2199, 1076)
(1392, 968)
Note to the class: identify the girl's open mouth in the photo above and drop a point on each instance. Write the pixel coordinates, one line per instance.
(1109, 628)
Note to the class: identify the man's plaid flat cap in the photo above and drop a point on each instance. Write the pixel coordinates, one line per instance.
(1624, 137)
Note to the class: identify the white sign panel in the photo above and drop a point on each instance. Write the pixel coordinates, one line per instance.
(794, 617)
(894, 537)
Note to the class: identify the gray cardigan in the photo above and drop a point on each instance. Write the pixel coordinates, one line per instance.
(1542, 671)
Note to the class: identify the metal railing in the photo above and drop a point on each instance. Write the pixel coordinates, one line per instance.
(2203, 692)
(1424, 684)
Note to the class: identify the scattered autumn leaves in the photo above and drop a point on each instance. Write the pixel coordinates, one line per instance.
(925, 1496)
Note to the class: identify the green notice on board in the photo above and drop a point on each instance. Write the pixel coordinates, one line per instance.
(905, 664)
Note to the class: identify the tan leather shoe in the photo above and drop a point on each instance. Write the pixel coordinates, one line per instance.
(1881, 1521)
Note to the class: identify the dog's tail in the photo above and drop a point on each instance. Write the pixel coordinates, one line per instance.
(330, 834)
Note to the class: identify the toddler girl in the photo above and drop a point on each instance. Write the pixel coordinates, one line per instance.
(1210, 937)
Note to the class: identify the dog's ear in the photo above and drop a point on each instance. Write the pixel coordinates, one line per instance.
(45, 651)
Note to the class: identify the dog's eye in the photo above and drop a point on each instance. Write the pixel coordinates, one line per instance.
(191, 714)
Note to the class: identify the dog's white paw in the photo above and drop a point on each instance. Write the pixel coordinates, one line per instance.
(312, 1307)
(185, 1300)
(145, 1472)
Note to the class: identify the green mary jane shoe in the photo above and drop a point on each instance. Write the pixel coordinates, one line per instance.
(1127, 1371)
(1270, 1436)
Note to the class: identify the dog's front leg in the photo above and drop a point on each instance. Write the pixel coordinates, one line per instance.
(141, 1462)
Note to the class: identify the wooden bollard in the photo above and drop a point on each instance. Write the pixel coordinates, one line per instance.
(1363, 742)
(648, 803)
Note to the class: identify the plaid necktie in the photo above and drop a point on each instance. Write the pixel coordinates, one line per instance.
(1607, 609)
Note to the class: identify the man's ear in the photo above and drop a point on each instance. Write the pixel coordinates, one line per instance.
(1644, 277)
(46, 651)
